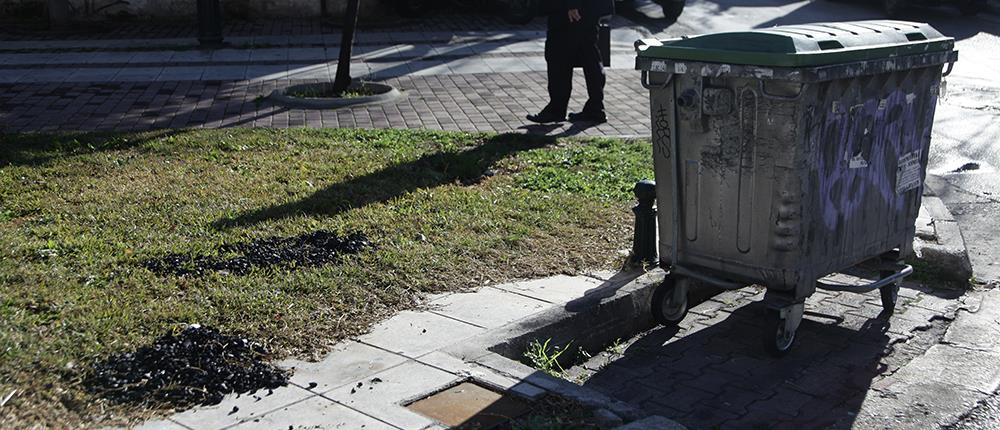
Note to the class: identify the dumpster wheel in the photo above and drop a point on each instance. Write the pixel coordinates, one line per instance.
(785, 323)
(670, 303)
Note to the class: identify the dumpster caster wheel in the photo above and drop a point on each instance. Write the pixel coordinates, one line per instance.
(783, 339)
(669, 305)
(779, 342)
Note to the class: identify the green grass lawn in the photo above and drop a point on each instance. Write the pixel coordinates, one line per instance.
(446, 211)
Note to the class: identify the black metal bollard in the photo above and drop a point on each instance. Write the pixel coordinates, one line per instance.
(644, 241)
(209, 22)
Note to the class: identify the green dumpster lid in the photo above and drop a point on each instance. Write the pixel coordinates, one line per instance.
(803, 45)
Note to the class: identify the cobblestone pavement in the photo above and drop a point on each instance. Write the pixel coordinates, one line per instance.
(713, 371)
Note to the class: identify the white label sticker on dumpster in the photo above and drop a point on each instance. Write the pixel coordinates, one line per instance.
(658, 66)
(908, 172)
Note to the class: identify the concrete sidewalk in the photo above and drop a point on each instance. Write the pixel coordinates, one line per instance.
(367, 381)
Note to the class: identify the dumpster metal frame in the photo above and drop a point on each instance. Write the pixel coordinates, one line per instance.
(670, 299)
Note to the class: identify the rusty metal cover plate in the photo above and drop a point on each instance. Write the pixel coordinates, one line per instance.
(468, 405)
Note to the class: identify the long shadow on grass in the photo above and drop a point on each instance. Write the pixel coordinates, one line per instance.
(465, 166)
(39, 149)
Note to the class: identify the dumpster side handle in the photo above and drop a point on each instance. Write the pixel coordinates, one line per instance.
(659, 86)
(946, 71)
(764, 92)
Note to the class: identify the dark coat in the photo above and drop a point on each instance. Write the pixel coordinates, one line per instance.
(597, 8)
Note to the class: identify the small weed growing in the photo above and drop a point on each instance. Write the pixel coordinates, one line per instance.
(546, 359)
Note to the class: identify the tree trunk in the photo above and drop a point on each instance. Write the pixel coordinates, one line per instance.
(343, 79)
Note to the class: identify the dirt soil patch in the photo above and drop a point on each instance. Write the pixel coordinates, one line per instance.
(197, 366)
(305, 250)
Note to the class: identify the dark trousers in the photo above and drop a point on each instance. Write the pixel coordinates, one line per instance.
(568, 44)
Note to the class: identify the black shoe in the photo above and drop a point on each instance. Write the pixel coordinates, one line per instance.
(596, 118)
(545, 117)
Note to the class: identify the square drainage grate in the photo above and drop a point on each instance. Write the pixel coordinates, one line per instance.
(468, 405)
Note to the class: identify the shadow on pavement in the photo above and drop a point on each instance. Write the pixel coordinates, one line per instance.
(715, 372)
(466, 166)
(607, 289)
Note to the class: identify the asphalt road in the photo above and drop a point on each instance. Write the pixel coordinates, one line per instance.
(967, 126)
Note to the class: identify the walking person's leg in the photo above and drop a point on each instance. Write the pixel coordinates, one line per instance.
(559, 70)
(593, 72)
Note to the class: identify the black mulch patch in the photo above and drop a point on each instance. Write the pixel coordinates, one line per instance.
(310, 249)
(199, 366)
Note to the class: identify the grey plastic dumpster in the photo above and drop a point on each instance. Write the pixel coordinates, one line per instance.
(785, 154)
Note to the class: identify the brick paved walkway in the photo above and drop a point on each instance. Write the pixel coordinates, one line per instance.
(283, 27)
(713, 371)
(467, 102)
(454, 78)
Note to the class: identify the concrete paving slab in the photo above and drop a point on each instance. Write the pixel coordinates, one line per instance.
(151, 57)
(488, 307)
(975, 370)
(381, 71)
(414, 334)
(45, 75)
(428, 67)
(526, 46)
(198, 56)
(535, 64)
(307, 39)
(183, 73)
(457, 366)
(138, 74)
(234, 410)
(267, 72)
(313, 71)
(367, 37)
(270, 40)
(920, 406)
(368, 52)
(347, 362)
(978, 328)
(231, 55)
(73, 58)
(307, 54)
(109, 57)
(490, 47)
(469, 65)
(454, 50)
(11, 76)
(224, 73)
(93, 75)
(316, 413)
(411, 52)
(556, 289)
(384, 397)
(269, 54)
(507, 64)
(30, 59)
(408, 36)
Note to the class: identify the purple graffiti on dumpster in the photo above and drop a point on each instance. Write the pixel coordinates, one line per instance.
(858, 148)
